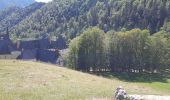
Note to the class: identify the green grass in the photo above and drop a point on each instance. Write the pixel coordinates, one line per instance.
(26, 80)
(158, 82)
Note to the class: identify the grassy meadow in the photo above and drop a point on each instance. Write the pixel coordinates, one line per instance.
(26, 80)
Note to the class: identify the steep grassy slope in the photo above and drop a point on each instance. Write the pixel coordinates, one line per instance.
(25, 80)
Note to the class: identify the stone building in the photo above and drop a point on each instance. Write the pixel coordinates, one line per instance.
(7, 47)
(43, 49)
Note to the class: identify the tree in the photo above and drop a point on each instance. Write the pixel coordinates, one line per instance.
(88, 50)
(158, 52)
(127, 50)
(73, 53)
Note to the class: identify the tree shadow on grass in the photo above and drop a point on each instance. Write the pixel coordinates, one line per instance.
(135, 77)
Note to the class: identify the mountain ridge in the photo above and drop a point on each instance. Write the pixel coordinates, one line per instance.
(14, 15)
(70, 18)
(8, 3)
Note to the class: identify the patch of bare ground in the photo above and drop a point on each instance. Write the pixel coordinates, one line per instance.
(139, 97)
(150, 97)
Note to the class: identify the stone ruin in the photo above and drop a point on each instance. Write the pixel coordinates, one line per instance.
(121, 94)
(42, 49)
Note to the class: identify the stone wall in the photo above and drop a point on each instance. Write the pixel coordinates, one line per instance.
(29, 54)
(47, 55)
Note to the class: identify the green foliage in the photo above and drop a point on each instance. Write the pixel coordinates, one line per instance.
(126, 51)
(133, 50)
(14, 15)
(158, 51)
(87, 51)
(72, 17)
(137, 50)
(73, 53)
(166, 27)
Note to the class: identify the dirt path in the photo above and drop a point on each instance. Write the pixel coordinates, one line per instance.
(140, 97)
(151, 97)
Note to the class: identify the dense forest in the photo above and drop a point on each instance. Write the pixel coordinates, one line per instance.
(14, 15)
(112, 35)
(72, 17)
(125, 51)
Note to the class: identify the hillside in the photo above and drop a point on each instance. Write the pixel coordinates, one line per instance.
(70, 18)
(28, 80)
(14, 15)
(8, 3)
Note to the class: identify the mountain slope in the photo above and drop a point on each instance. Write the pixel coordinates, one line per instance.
(31, 81)
(14, 15)
(71, 17)
(18, 3)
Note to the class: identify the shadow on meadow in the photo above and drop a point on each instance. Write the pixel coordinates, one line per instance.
(135, 77)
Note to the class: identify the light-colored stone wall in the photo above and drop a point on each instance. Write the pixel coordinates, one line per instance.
(13, 55)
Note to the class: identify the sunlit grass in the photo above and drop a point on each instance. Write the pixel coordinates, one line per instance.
(26, 80)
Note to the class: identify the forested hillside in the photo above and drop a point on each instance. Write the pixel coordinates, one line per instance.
(14, 15)
(72, 17)
(9, 3)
